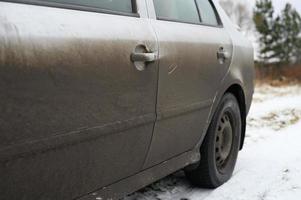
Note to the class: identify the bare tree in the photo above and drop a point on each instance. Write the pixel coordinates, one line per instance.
(239, 12)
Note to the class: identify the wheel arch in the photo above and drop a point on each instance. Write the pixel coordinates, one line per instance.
(239, 94)
(237, 90)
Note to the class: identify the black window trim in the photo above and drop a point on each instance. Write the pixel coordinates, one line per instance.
(219, 21)
(79, 7)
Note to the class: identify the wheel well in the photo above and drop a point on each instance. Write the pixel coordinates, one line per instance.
(238, 92)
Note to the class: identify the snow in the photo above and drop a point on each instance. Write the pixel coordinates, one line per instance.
(269, 166)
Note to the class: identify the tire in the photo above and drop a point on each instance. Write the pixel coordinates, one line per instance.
(220, 147)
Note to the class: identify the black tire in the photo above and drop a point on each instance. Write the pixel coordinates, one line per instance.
(212, 171)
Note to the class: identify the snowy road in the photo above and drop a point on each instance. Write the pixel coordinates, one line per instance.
(268, 168)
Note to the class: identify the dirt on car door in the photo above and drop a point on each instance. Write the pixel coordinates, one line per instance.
(191, 69)
(76, 114)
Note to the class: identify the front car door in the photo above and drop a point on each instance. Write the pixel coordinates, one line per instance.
(195, 53)
(76, 114)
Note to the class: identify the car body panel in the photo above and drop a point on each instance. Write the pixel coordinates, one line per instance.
(241, 72)
(189, 76)
(75, 113)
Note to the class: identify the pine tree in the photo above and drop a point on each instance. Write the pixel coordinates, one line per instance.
(280, 37)
(291, 34)
(264, 23)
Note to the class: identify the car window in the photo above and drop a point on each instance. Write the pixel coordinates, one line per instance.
(178, 10)
(113, 5)
(207, 12)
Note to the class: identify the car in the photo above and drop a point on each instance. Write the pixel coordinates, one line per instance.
(101, 98)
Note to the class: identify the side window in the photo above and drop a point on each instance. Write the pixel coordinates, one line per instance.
(207, 12)
(178, 10)
(113, 5)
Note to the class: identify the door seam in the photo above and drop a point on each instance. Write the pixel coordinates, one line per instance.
(157, 93)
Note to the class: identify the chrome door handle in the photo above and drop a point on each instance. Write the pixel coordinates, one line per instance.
(143, 57)
(222, 55)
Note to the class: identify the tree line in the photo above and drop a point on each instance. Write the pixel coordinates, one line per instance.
(279, 35)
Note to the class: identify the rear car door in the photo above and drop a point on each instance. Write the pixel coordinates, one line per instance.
(76, 112)
(195, 52)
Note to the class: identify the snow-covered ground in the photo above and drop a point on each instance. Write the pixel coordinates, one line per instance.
(268, 168)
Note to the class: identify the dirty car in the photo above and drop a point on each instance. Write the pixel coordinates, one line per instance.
(101, 98)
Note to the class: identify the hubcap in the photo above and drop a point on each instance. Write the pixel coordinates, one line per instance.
(223, 142)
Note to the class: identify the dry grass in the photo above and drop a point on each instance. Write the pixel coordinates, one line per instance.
(278, 75)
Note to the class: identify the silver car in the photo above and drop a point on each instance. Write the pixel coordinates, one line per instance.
(99, 98)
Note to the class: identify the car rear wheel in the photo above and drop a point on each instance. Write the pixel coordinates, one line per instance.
(220, 147)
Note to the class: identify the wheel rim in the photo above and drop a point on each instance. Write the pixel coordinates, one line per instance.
(223, 142)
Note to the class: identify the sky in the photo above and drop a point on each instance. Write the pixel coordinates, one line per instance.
(279, 4)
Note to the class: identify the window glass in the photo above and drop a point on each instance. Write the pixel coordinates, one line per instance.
(179, 10)
(207, 12)
(114, 5)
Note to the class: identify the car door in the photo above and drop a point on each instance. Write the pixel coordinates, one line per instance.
(195, 53)
(77, 111)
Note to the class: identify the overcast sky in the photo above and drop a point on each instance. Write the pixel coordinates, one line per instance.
(278, 4)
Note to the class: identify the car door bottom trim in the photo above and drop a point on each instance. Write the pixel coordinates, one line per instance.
(137, 181)
(63, 140)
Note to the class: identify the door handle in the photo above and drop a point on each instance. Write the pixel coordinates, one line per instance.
(222, 55)
(143, 57)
